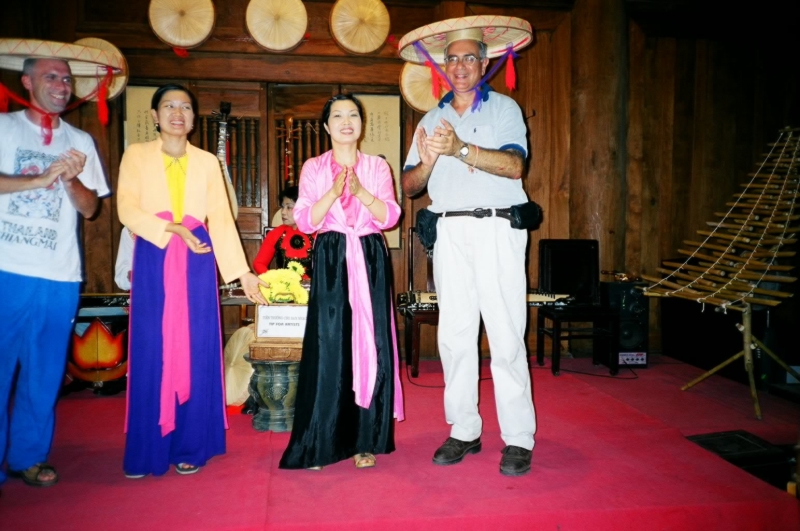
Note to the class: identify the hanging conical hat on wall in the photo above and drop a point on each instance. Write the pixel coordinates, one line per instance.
(182, 23)
(83, 60)
(359, 26)
(417, 88)
(498, 32)
(277, 25)
(85, 85)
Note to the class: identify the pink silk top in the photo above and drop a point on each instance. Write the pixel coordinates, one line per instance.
(354, 221)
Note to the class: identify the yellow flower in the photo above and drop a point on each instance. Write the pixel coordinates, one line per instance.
(297, 267)
(284, 286)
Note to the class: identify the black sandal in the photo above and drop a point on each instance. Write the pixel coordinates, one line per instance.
(31, 475)
(186, 469)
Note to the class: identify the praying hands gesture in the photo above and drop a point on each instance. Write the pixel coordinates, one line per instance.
(337, 189)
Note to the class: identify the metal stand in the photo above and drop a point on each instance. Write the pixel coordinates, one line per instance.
(750, 342)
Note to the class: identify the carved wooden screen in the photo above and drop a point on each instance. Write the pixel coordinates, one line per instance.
(243, 154)
(298, 141)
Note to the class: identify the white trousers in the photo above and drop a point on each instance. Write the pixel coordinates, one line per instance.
(479, 270)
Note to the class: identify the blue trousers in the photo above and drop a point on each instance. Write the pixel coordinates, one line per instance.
(36, 320)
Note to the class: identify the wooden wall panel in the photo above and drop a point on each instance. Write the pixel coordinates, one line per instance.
(598, 159)
(673, 223)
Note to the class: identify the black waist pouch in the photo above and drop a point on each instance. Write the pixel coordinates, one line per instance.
(526, 216)
(426, 227)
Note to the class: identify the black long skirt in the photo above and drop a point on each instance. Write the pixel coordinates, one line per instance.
(328, 425)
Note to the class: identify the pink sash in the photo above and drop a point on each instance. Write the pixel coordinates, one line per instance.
(176, 358)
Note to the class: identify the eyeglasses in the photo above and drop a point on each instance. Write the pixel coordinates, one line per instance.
(467, 60)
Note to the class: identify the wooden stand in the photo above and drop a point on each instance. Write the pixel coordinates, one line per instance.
(750, 341)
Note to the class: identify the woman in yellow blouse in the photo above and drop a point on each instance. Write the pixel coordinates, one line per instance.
(172, 196)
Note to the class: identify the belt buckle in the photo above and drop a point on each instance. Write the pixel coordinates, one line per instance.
(482, 213)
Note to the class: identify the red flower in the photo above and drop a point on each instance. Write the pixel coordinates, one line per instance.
(296, 246)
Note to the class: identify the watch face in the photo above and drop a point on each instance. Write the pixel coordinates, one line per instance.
(464, 151)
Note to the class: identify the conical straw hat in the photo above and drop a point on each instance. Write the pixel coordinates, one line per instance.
(182, 23)
(237, 369)
(83, 60)
(85, 85)
(277, 25)
(359, 26)
(499, 33)
(417, 88)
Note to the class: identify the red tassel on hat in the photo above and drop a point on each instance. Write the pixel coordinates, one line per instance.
(3, 98)
(102, 97)
(511, 75)
(183, 53)
(436, 84)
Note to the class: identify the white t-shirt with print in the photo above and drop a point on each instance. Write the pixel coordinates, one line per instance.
(39, 228)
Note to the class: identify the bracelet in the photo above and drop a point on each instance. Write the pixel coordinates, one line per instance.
(477, 154)
(370, 203)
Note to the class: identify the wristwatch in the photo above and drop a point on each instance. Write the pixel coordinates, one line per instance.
(463, 153)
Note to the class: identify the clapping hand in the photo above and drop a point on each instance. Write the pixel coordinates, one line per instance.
(73, 162)
(444, 140)
(426, 156)
(51, 174)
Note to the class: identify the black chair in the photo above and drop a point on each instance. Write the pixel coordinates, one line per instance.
(573, 267)
(417, 315)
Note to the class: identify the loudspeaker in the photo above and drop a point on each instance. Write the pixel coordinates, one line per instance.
(634, 319)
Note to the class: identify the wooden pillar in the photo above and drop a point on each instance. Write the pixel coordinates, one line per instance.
(598, 148)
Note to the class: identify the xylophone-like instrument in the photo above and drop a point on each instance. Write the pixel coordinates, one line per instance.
(426, 300)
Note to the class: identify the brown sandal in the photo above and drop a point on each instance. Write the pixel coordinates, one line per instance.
(364, 460)
(31, 475)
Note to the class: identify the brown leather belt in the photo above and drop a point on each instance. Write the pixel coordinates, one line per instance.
(479, 213)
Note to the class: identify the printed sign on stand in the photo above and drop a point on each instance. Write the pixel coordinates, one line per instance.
(281, 321)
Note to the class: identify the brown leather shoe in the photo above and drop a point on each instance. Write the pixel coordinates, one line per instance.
(516, 461)
(453, 451)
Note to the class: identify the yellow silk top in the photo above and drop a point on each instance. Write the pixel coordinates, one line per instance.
(143, 191)
(175, 169)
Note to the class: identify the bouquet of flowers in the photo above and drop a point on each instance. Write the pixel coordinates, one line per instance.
(284, 284)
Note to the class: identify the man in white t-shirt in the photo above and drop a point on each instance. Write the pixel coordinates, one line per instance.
(49, 173)
(469, 152)
(124, 264)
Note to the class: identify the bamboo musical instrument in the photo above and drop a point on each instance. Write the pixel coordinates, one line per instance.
(743, 249)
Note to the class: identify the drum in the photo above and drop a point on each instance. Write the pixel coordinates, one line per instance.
(274, 388)
(98, 353)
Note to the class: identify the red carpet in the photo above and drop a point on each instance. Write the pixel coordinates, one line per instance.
(610, 454)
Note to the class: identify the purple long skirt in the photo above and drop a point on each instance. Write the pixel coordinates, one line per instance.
(200, 422)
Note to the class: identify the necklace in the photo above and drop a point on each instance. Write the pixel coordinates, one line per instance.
(173, 161)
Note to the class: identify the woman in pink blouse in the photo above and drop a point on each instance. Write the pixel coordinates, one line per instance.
(348, 393)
